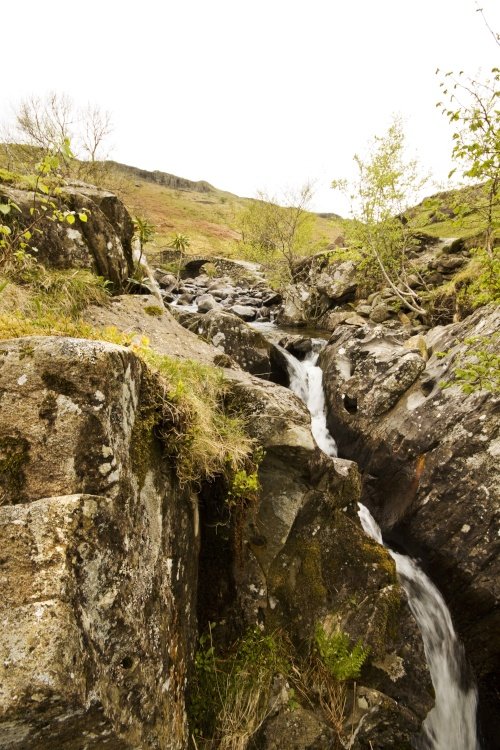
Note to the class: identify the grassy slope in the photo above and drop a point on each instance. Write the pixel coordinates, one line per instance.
(455, 213)
(209, 218)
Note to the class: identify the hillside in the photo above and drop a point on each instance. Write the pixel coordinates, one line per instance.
(207, 215)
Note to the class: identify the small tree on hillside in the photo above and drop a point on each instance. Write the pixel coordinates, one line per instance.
(279, 228)
(386, 186)
(180, 242)
(474, 112)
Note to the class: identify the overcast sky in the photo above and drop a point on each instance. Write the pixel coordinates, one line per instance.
(249, 95)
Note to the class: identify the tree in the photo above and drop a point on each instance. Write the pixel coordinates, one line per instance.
(386, 186)
(181, 243)
(474, 112)
(280, 228)
(42, 125)
(96, 126)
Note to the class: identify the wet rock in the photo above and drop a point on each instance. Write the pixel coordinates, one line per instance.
(429, 458)
(234, 337)
(299, 346)
(272, 299)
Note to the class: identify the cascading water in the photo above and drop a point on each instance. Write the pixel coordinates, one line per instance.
(451, 724)
(452, 721)
(306, 381)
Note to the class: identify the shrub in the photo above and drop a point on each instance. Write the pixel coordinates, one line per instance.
(342, 661)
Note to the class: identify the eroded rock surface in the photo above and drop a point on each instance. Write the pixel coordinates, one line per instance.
(103, 243)
(98, 555)
(429, 458)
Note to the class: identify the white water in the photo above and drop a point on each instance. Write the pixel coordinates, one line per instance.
(306, 381)
(451, 724)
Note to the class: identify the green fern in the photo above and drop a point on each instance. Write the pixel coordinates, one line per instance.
(342, 661)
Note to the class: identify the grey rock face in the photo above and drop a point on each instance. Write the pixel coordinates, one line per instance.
(103, 243)
(99, 556)
(429, 457)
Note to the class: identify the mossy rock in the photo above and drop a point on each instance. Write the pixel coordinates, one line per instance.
(14, 456)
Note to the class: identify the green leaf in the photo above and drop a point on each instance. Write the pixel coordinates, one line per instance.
(82, 216)
(4, 209)
(43, 188)
(70, 219)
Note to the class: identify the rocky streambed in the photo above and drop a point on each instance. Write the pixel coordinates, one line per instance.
(111, 567)
(427, 451)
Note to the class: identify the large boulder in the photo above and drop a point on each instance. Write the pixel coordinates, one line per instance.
(98, 555)
(239, 341)
(429, 457)
(103, 243)
(338, 282)
(303, 560)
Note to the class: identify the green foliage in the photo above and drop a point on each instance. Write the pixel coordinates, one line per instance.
(144, 229)
(473, 109)
(386, 186)
(276, 231)
(17, 231)
(477, 368)
(342, 661)
(245, 487)
(197, 429)
(180, 242)
(230, 692)
(154, 311)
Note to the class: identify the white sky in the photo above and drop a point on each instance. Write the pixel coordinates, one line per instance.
(250, 94)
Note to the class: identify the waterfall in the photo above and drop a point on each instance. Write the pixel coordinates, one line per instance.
(451, 724)
(306, 381)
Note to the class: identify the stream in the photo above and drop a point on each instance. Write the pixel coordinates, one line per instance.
(451, 724)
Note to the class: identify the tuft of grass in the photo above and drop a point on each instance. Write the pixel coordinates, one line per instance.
(231, 693)
(68, 292)
(209, 439)
(186, 407)
(54, 292)
(18, 324)
(154, 311)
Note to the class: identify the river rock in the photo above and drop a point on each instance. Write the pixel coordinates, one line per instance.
(98, 555)
(243, 311)
(206, 302)
(295, 310)
(429, 457)
(234, 337)
(380, 313)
